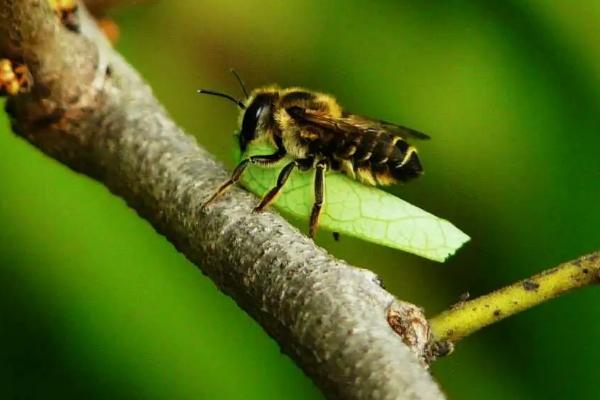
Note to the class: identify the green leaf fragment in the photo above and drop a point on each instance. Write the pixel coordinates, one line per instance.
(358, 210)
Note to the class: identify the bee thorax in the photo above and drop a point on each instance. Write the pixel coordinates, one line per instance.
(295, 146)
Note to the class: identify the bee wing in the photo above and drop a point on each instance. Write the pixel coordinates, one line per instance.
(351, 123)
(394, 129)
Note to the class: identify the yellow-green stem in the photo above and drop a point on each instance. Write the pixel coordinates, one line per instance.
(469, 316)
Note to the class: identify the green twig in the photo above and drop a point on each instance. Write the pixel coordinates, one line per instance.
(470, 316)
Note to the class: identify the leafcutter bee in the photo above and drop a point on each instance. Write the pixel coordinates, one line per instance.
(314, 131)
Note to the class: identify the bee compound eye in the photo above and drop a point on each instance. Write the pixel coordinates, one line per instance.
(250, 123)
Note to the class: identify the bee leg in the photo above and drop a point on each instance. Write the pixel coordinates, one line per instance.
(321, 167)
(281, 180)
(237, 173)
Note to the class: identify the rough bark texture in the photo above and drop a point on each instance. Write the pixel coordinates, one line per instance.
(90, 110)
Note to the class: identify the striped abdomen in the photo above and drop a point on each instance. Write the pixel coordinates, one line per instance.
(376, 158)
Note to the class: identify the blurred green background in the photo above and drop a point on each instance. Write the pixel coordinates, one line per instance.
(94, 304)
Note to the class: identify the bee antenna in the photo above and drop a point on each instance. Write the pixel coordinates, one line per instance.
(226, 96)
(240, 81)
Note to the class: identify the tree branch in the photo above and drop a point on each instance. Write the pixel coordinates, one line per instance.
(470, 316)
(91, 111)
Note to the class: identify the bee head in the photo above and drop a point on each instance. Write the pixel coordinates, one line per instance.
(255, 110)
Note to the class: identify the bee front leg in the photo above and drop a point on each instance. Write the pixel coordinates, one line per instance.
(237, 173)
(281, 180)
(321, 167)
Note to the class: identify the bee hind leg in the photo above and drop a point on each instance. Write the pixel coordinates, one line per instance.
(281, 180)
(321, 167)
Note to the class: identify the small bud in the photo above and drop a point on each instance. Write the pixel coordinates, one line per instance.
(14, 78)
